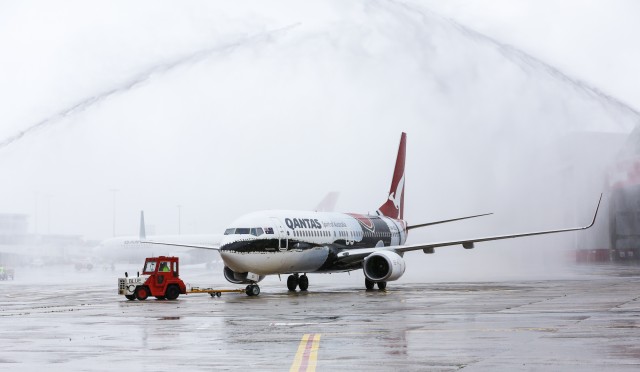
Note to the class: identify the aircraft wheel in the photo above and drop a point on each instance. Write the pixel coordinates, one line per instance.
(218, 294)
(130, 297)
(172, 292)
(252, 290)
(303, 283)
(382, 286)
(292, 282)
(142, 293)
(369, 284)
(255, 290)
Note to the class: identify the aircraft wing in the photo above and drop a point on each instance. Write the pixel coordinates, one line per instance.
(198, 246)
(354, 255)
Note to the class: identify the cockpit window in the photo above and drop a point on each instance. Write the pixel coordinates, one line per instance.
(255, 231)
(149, 267)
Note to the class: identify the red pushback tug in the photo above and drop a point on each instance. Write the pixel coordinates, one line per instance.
(160, 278)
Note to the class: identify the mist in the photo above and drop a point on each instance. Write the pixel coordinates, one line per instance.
(217, 109)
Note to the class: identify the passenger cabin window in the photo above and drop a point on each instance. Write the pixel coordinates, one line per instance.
(268, 230)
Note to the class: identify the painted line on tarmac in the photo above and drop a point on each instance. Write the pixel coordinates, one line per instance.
(306, 358)
(290, 324)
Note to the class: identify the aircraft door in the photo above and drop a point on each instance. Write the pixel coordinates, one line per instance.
(283, 240)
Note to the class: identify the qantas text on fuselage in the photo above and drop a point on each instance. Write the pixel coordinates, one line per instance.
(299, 242)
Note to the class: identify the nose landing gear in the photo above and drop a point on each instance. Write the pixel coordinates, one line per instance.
(252, 290)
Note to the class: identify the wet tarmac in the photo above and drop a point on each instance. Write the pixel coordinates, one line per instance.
(589, 322)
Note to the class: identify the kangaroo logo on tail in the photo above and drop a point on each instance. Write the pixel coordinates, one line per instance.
(394, 206)
(399, 190)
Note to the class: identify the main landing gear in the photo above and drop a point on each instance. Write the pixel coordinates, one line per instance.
(369, 284)
(252, 290)
(295, 280)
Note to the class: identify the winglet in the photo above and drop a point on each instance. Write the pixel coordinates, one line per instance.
(596, 213)
(143, 233)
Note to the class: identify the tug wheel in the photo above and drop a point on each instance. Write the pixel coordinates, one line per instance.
(172, 292)
(142, 293)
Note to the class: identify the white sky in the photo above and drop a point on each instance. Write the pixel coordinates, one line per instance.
(224, 108)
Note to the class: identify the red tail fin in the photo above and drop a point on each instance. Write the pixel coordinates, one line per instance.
(394, 206)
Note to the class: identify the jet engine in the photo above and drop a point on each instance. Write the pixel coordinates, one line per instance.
(240, 278)
(383, 266)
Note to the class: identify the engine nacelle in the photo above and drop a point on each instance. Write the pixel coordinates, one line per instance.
(383, 266)
(241, 278)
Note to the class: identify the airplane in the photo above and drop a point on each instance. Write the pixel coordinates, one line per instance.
(296, 243)
(131, 248)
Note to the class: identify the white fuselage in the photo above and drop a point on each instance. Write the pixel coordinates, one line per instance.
(282, 242)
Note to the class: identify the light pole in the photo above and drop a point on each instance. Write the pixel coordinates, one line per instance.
(35, 222)
(114, 191)
(179, 219)
(48, 196)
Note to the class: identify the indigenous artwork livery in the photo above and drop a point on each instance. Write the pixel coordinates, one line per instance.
(298, 242)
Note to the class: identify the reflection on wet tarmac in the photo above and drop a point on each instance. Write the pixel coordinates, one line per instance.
(584, 323)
